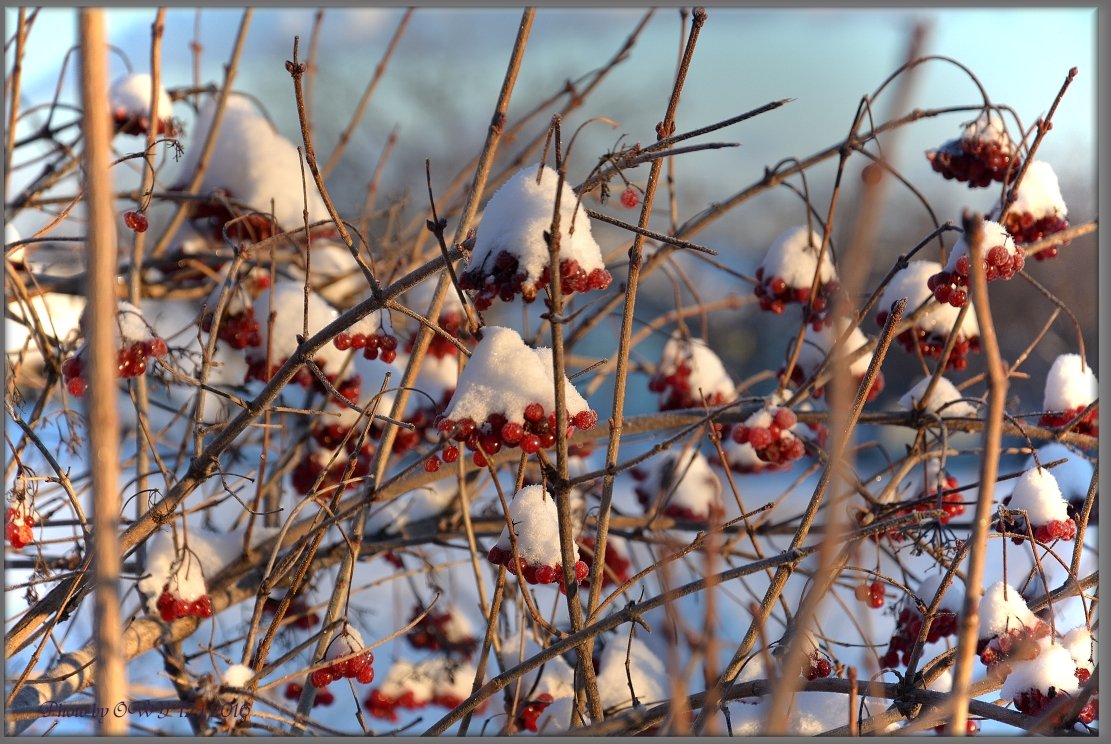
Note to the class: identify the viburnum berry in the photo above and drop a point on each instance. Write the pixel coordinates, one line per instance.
(323, 697)
(530, 712)
(1002, 259)
(772, 442)
(358, 666)
(816, 665)
(690, 375)
(136, 221)
(171, 607)
(983, 153)
(787, 274)
(19, 522)
(441, 631)
(630, 198)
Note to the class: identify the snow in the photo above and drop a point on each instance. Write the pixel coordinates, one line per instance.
(253, 163)
(816, 347)
(1053, 667)
(1078, 641)
(707, 373)
(1074, 476)
(504, 375)
(945, 399)
(520, 212)
(1039, 194)
(557, 677)
(288, 306)
(646, 672)
(344, 644)
(792, 259)
(238, 675)
(999, 613)
(208, 554)
(557, 716)
(988, 127)
(1036, 492)
(699, 489)
(951, 600)
(811, 713)
(58, 314)
(911, 284)
(450, 678)
(536, 524)
(131, 94)
(406, 676)
(993, 234)
(1070, 384)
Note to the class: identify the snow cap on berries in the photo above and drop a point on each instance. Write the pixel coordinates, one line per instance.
(646, 673)
(238, 675)
(1037, 493)
(1054, 667)
(129, 97)
(816, 347)
(1074, 476)
(993, 234)
(288, 304)
(345, 643)
(707, 373)
(793, 257)
(1078, 641)
(944, 400)
(129, 327)
(1039, 194)
(504, 375)
(987, 127)
(1002, 608)
(252, 162)
(1070, 384)
(520, 212)
(697, 491)
(911, 283)
(536, 524)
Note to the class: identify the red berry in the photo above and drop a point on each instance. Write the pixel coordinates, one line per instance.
(76, 387)
(534, 412)
(432, 464)
(585, 420)
(135, 221)
(630, 198)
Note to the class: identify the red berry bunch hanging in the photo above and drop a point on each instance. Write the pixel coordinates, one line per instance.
(351, 660)
(630, 198)
(380, 345)
(768, 432)
(19, 521)
(537, 573)
(1037, 499)
(1037, 209)
(131, 361)
(690, 375)
(1002, 260)
(907, 627)
(530, 712)
(441, 631)
(871, 593)
(136, 221)
(983, 153)
(536, 431)
(816, 665)
(1070, 387)
(1088, 423)
(172, 607)
(293, 691)
(239, 330)
(787, 273)
(1014, 644)
(506, 279)
(814, 354)
(617, 564)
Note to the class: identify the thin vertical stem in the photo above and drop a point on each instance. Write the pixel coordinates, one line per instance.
(111, 682)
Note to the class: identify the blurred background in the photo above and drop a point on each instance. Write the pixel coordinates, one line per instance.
(442, 82)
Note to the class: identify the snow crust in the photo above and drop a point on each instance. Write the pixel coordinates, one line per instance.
(698, 490)
(1053, 667)
(1039, 194)
(944, 400)
(238, 675)
(707, 373)
(999, 614)
(1069, 384)
(646, 671)
(131, 93)
(1036, 491)
(939, 319)
(289, 304)
(536, 524)
(791, 258)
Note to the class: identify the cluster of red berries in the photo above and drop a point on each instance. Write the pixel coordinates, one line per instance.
(1090, 711)
(951, 286)
(774, 294)
(1089, 424)
(534, 573)
(930, 344)
(1057, 529)
(380, 345)
(535, 432)
(871, 594)
(357, 667)
(136, 221)
(675, 390)
(293, 691)
(310, 467)
(530, 712)
(975, 160)
(18, 527)
(816, 665)
(772, 443)
(1025, 229)
(433, 633)
(908, 626)
(1019, 644)
(384, 707)
(617, 565)
(1034, 702)
(136, 123)
(131, 361)
(505, 281)
(297, 614)
(239, 330)
(251, 227)
(174, 608)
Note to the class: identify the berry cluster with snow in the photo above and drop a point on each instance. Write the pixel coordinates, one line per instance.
(682, 485)
(135, 347)
(983, 153)
(535, 520)
(1038, 501)
(408, 686)
(129, 100)
(350, 660)
(511, 255)
(690, 375)
(788, 271)
(19, 523)
(1070, 387)
(932, 326)
(1038, 210)
(815, 351)
(1002, 259)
